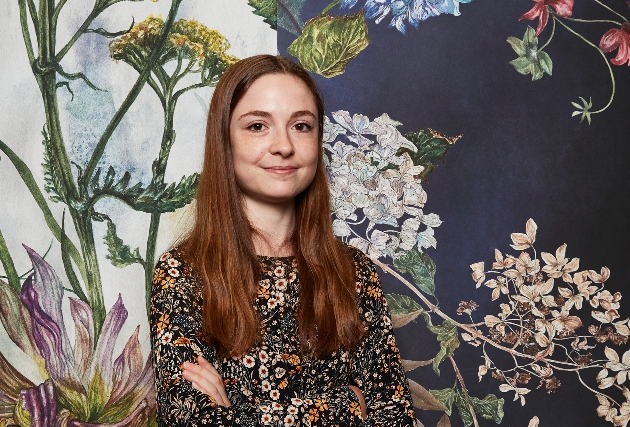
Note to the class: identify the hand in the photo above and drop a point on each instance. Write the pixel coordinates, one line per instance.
(205, 378)
(361, 398)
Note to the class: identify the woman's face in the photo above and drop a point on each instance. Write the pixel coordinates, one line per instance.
(274, 136)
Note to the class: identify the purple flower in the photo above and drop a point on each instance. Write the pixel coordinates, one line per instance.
(85, 385)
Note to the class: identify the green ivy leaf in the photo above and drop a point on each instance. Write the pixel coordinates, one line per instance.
(446, 397)
(120, 254)
(447, 336)
(327, 44)
(403, 309)
(420, 266)
(432, 146)
(401, 304)
(463, 408)
(267, 9)
(530, 60)
(490, 407)
(290, 15)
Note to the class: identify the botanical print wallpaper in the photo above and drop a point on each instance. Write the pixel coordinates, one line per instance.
(104, 106)
(476, 151)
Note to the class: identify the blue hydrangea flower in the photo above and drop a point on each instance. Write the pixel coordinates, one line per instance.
(411, 11)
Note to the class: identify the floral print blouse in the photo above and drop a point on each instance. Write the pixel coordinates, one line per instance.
(272, 384)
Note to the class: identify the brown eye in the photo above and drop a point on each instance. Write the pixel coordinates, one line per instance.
(303, 127)
(256, 127)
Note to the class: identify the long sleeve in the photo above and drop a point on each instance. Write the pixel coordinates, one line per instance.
(376, 366)
(264, 386)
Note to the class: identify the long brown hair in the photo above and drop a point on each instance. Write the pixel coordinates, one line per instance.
(221, 250)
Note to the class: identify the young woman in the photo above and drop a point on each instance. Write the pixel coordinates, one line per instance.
(260, 316)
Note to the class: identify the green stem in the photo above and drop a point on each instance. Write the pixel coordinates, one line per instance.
(133, 94)
(159, 169)
(593, 20)
(465, 390)
(607, 7)
(83, 226)
(612, 77)
(40, 199)
(553, 31)
(25, 32)
(9, 266)
(328, 8)
(149, 263)
(86, 24)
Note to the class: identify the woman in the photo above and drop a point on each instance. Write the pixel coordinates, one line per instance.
(262, 317)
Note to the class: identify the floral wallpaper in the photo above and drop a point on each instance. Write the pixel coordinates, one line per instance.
(101, 139)
(476, 151)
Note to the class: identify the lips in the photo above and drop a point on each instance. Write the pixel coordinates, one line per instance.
(281, 170)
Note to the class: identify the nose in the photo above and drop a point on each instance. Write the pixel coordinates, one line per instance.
(282, 144)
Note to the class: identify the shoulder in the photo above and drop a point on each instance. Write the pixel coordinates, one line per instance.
(173, 271)
(363, 264)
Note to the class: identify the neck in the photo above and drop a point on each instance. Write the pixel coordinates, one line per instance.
(272, 227)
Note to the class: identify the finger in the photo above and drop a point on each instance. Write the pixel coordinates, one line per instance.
(210, 367)
(206, 381)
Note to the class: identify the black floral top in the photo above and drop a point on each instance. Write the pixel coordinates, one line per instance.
(272, 384)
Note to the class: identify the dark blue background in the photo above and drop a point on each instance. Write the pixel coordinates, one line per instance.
(521, 156)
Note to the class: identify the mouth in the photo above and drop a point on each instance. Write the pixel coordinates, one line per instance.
(281, 170)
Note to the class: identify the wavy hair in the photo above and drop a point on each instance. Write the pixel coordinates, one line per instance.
(221, 250)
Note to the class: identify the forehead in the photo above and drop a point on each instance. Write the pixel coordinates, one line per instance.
(277, 91)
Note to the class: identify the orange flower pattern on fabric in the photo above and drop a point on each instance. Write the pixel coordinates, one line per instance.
(273, 384)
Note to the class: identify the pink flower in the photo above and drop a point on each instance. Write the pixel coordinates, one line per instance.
(563, 8)
(617, 38)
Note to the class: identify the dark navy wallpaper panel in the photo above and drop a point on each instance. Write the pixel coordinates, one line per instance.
(522, 155)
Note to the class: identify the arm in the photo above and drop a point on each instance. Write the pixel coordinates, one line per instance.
(176, 338)
(376, 368)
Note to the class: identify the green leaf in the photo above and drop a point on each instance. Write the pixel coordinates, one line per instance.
(327, 44)
(432, 146)
(537, 71)
(403, 309)
(463, 408)
(120, 254)
(156, 198)
(530, 37)
(160, 198)
(521, 64)
(401, 304)
(447, 336)
(490, 407)
(545, 62)
(517, 45)
(446, 397)
(290, 15)
(52, 180)
(423, 399)
(420, 266)
(267, 9)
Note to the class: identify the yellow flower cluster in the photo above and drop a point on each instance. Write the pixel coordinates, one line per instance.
(191, 39)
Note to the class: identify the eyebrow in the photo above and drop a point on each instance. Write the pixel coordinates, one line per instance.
(260, 113)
